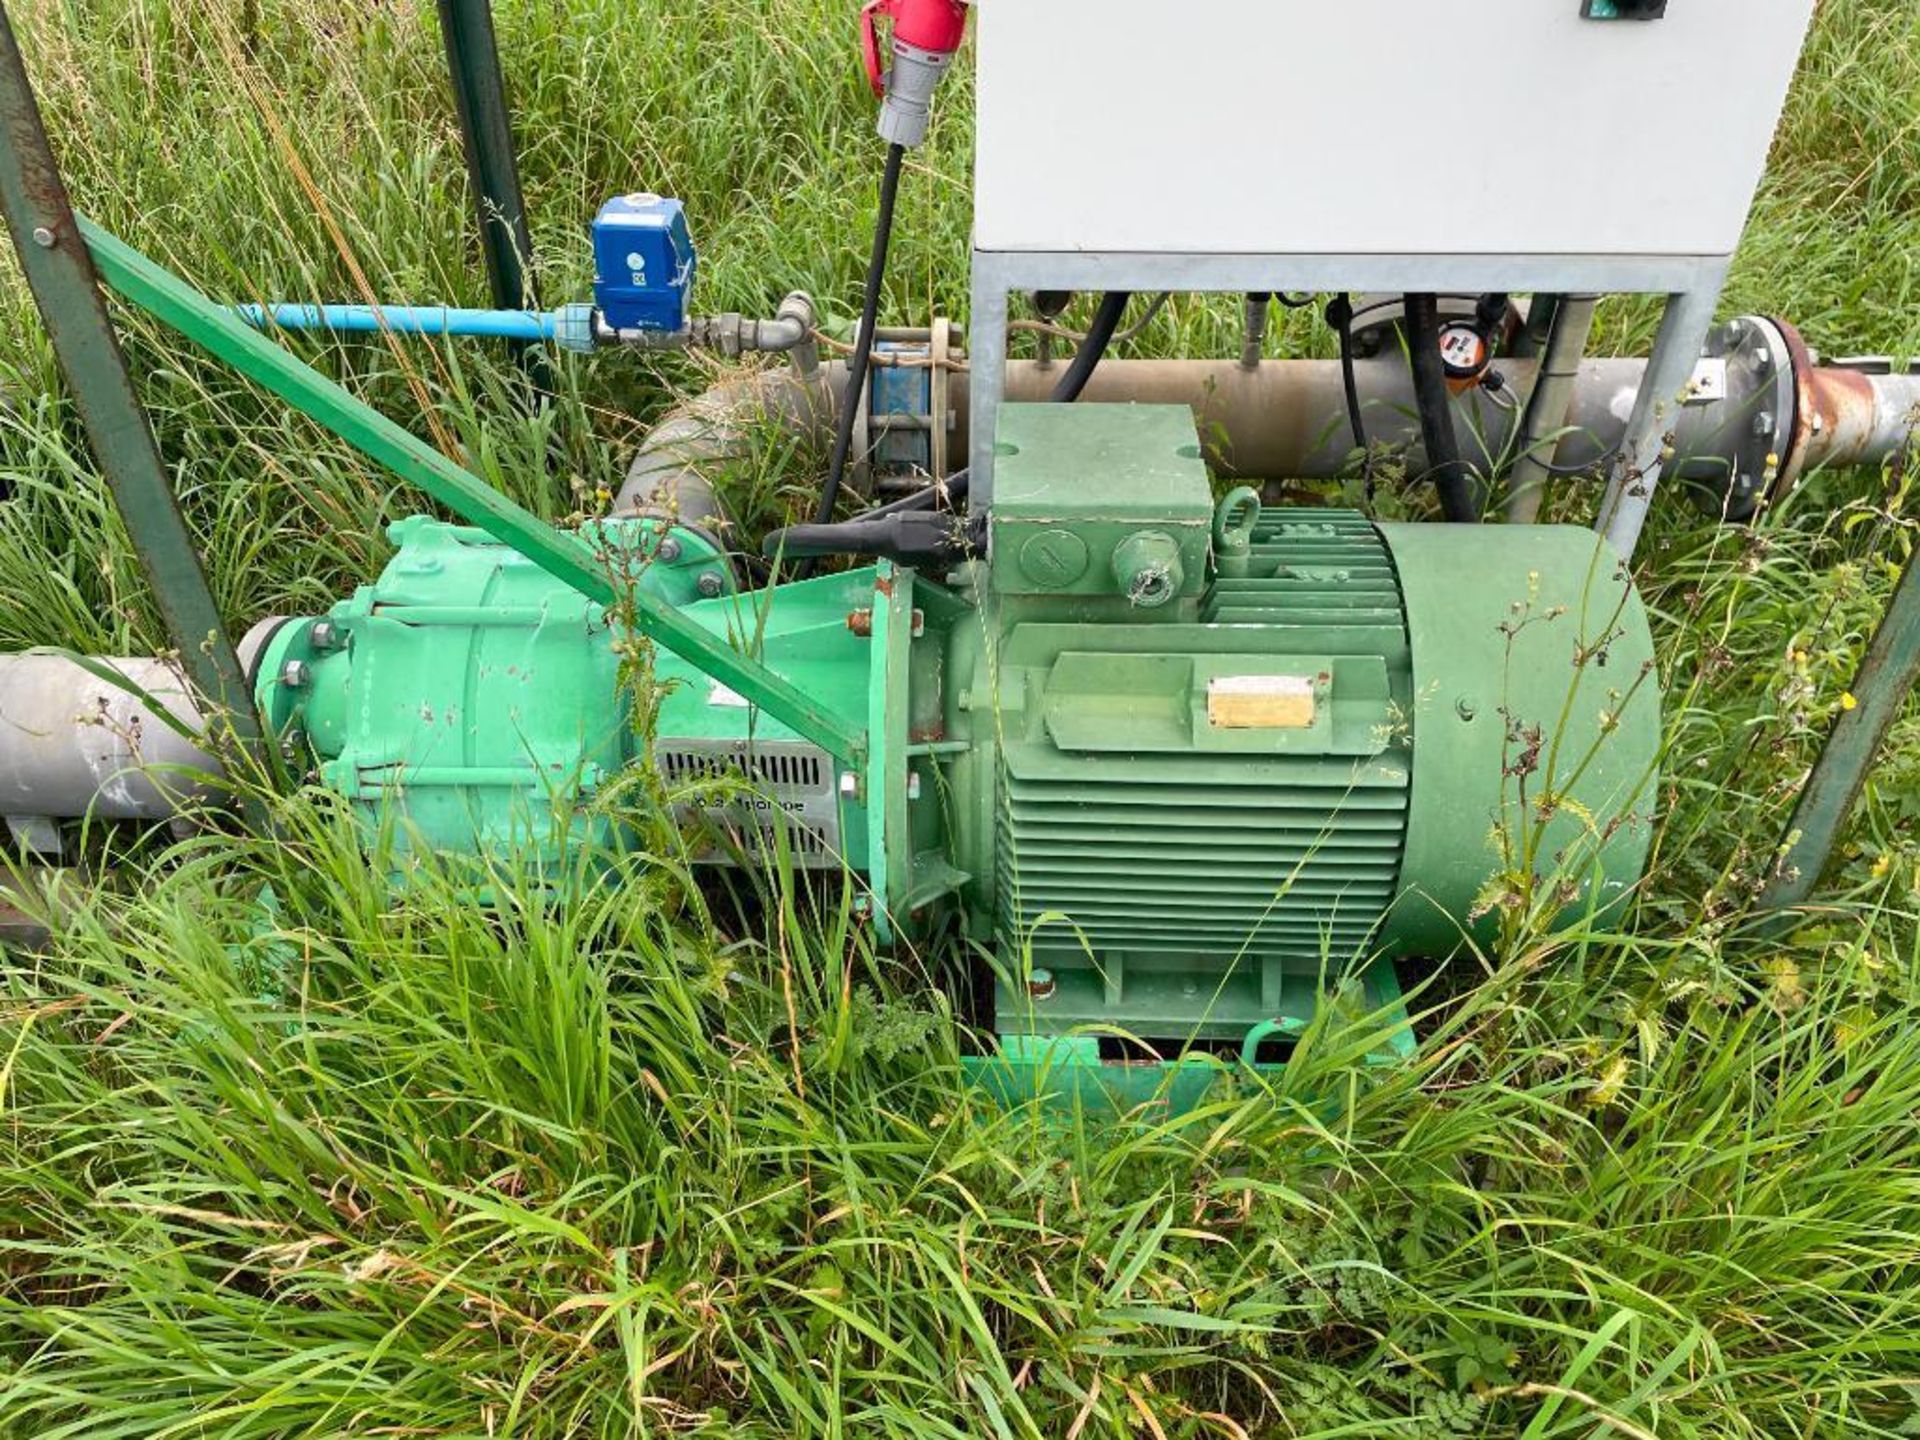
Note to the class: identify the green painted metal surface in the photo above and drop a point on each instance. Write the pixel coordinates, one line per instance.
(1069, 1073)
(568, 557)
(61, 275)
(1887, 677)
(1535, 727)
(467, 697)
(1174, 877)
(1203, 822)
(1436, 711)
(1078, 489)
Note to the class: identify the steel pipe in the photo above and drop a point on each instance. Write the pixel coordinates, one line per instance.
(1286, 419)
(76, 743)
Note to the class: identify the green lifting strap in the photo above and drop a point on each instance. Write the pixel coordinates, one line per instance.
(566, 557)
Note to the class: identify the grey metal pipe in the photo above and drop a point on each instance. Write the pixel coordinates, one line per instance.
(674, 472)
(1847, 414)
(1549, 404)
(1286, 419)
(73, 743)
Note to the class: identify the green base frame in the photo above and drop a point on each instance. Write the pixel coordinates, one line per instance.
(1066, 1072)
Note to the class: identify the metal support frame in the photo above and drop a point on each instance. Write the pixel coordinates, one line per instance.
(61, 274)
(480, 101)
(1692, 284)
(1887, 677)
(493, 171)
(1643, 449)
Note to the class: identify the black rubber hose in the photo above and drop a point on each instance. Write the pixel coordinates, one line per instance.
(1450, 474)
(863, 340)
(1113, 305)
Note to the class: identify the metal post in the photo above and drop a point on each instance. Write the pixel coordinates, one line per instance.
(1636, 473)
(987, 360)
(1886, 678)
(1547, 407)
(60, 272)
(486, 135)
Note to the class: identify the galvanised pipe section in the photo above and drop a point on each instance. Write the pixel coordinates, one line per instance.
(101, 740)
(1844, 414)
(1286, 420)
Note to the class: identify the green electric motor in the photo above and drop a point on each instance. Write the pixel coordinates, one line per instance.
(1180, 767)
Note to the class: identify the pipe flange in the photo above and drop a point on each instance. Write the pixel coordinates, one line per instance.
(1762, 391)
(1806, 412)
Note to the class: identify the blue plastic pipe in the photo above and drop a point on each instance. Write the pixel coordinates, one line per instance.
(405, 320)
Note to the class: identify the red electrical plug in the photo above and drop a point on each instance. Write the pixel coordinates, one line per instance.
(926, 33)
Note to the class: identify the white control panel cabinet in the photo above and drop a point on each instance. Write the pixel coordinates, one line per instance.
(1377, 127)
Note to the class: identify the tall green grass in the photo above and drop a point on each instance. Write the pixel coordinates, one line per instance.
(286, 1153)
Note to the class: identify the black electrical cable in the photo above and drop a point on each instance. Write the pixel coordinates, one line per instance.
(1113, 305)
(1451, 475)
(863, 339)
(1340, 317)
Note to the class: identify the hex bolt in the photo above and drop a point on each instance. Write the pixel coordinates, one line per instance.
(710, 584)
(913, 785)
(295, 675)
(669, 550)
(43, 237)
(860, 622)
(919, 624)
(1763, 424)
(1041, 985)
(324, 635)
(850, 785)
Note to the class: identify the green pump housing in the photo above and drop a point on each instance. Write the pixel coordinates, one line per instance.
(1183, 768)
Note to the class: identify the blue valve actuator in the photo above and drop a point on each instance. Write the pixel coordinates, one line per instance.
(644, 263)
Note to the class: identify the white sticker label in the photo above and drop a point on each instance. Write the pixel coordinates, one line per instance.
(1261, 702)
